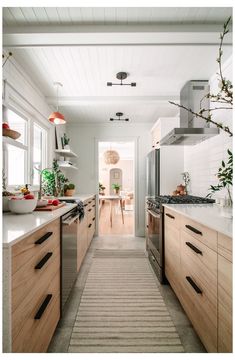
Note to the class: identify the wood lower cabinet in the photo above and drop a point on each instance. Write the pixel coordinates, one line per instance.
(198, 265)
(35, 289)
(86, 230)
(225, 302)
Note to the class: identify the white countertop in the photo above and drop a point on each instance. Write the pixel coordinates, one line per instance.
(210, 215)
(17, 226)
(82, 197)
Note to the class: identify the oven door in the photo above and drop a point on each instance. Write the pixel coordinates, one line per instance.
(155, 235)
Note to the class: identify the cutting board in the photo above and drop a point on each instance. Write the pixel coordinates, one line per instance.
(49, 207)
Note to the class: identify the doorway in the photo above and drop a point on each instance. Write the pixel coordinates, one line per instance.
(116, 187)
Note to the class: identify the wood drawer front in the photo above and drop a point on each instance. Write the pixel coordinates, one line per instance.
(172, 218)
(225, 318)
(35, 335)
(205, 234)
(200, 308)
(225, 246)
(27, 293)
(90, 234)
(172, 257)
(26, 249)
(203, 266)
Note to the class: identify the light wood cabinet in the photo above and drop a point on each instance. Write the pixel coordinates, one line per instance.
(35, 289)
(86, 230)
(198, 265)
(225, 303)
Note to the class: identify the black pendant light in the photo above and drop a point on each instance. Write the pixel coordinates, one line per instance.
(118, 114)
(121, 76)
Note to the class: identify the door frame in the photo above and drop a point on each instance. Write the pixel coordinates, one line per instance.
(135, 140)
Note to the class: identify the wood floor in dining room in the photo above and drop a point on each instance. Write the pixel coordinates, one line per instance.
(118, 228)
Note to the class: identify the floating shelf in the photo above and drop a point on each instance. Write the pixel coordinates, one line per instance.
(66, 153)
(68, 166)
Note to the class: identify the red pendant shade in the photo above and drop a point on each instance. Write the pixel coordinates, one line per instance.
(57, 118)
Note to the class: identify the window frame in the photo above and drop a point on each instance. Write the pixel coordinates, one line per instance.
(30, 121)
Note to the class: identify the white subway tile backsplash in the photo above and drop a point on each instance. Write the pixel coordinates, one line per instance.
(203, 160)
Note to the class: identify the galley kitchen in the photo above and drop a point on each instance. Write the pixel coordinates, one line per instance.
(117, 179)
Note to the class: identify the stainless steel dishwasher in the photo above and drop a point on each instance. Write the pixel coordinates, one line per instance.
(68, 253)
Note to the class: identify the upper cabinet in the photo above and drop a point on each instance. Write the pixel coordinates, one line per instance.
(161, 128)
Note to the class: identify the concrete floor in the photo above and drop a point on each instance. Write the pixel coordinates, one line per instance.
(61, 338)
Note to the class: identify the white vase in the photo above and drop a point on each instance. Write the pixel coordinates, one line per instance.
(66, 147)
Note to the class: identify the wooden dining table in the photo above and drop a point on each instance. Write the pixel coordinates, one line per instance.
(112, 199)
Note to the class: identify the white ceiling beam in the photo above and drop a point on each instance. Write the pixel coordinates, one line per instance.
(75, 100)
(38, 36)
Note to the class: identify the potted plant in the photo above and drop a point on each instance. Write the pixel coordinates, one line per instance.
(69, 189)
(116, 188)
(101, 189)
(65, 142)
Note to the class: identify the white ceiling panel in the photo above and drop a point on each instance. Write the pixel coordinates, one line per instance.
(113, 15)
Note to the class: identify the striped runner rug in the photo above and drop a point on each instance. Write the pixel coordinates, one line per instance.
(121, 309)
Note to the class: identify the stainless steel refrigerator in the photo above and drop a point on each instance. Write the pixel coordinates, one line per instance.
(153, 173)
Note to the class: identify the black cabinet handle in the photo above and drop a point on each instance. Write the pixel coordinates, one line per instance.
(89, 209)
(93, 205)
(194, 248)
(89, 202)
(196, 231)
(43, 307)
(89, 225)
(147, 226)
(170, 216)
(192, 283)
(93, 218)
(43, 261)
(43, 238)
(85, 205)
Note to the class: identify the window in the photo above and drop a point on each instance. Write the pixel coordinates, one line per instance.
(22, 155)
(39, 151)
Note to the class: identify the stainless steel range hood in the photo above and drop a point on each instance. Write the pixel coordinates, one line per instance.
(192, 130)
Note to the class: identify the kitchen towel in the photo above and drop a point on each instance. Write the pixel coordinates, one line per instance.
(122, 309)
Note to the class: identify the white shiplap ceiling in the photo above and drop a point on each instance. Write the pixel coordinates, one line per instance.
(25, 16)
(160, 71)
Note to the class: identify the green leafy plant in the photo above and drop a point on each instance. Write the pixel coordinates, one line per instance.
(53, 180)
(225, 176)
(116, 186)
(69, 187)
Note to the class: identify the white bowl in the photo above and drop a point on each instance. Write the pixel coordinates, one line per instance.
(42, 202)
(22, 206)
(5, 206)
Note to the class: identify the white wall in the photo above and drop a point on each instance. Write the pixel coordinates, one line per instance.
(22, 93)
(203, 160)
(84, 142)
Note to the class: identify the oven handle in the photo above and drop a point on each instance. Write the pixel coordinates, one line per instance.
(70, 220)
(153, 214)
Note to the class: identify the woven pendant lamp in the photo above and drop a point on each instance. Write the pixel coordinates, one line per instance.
(111, 157)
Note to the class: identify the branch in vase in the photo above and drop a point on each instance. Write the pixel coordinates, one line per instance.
(207, 119)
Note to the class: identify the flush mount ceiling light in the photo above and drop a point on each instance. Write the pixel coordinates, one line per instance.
(56, 117)
(118, 114)
(121, 76)
(111, 157)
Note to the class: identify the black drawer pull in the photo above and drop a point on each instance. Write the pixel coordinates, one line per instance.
(89, 209)
(194, 248)
(192, 283)
(89, 225)
(89, 202)
(196, 231)
(85, 205)
(43, 261)
(93, 218)
(93, 205)
(43, 238)
(170, 216)
(43, 307)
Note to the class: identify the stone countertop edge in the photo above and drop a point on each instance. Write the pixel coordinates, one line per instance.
(82, 197)
(18, 226)
(211, 215)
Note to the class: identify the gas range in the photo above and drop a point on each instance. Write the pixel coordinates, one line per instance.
(156, 202)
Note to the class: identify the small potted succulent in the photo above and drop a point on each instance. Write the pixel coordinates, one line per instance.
(69, 189)
(116, 188)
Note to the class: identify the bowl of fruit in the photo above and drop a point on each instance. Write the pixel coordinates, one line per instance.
(22, 205)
